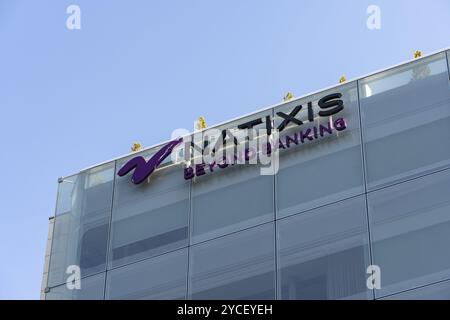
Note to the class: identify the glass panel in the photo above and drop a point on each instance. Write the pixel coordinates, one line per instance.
(161, 277)
(324, 253)
(233, 198)
(406, 119)
(327, 166)
(237, 266)
(82, 223)
(91, 288)
(448, 61)
(410, 225)
(149, 218)
(439, 291)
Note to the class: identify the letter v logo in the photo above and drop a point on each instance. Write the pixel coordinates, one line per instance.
(143, 169)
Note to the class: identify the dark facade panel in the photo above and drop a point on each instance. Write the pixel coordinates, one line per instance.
(410, 227)
(161, 277)
(324, 253)
(236, 266)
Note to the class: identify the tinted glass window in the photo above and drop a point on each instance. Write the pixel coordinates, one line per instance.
(324, 254)
(152, 217)
(406, 121)
(236, 266)
(81, 224)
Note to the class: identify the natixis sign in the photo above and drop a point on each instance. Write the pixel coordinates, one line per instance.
(213, 149)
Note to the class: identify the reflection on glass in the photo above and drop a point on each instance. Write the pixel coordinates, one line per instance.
(233, 198)
(321, 170)
(406, 117)
(236, 266)
(411, 232)
(149, 218)
(323, 253)
(91, 288)
(82, 223)
(439, 291)
(161, 277)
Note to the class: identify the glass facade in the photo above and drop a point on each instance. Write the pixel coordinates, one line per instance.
(91, 288)
(405, 113)
(156, 211)
(438, 291)
(242, 197)
(410, 226)
(162, 277)
(312, 166)
(324, 253)
(372, 194)
(80, 234)
(237, 266)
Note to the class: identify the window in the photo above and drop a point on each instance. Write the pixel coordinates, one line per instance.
(233, 198)
(410, 228)
(91, 288)
(406, 121)
(161, 277)
(324, 253)
(81, 224)
(236, 266)
(438, 291)
(149, 218)
(326, 169)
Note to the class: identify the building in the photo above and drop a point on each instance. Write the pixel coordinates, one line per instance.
(374, 193)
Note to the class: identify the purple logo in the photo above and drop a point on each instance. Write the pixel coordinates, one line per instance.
(143, 169)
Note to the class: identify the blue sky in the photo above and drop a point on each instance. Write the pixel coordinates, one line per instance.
(139, 69)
